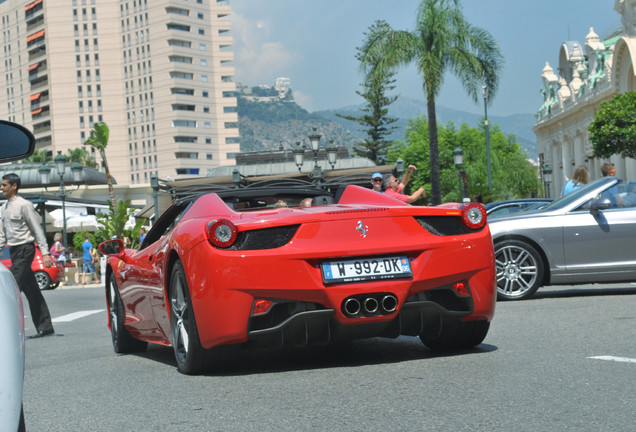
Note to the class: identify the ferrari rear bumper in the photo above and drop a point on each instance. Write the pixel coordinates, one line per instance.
(318, 327)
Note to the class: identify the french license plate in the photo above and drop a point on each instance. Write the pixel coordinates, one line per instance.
(366, 269)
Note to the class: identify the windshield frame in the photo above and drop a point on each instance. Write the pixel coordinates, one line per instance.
(576, 195)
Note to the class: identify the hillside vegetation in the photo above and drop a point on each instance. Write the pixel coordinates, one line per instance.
(264, 125)
(268, 125)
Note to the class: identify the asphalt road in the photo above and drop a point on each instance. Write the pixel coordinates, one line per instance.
(563, 361)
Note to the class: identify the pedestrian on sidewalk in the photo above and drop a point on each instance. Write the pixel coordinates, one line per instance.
(88, 260)
(20, 229)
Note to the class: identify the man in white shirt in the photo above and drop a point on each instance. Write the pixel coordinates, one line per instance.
(20, 229)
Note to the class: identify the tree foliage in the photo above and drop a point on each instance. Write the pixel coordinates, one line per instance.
(513, 175)
(81, 156)
(39, 156)
(613, 130)
(99, 141)
(114, 223)
(375, 114)
(442, 41)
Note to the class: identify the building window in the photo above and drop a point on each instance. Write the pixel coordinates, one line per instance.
(179, 43)
(205, 93)
(191, 171)
(182, 75)
(202, 47)
(184, 123)
(180, 27)
(178, 11)
(180, 59)
(186, 155)
(182, 107)
(182, 91)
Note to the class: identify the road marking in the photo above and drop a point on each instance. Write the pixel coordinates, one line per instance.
(76, 315)
(616, 359)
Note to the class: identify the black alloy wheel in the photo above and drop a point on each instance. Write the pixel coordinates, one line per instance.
(190, 355)
(123, 342)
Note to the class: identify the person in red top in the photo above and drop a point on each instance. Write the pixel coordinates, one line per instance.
(394, 189)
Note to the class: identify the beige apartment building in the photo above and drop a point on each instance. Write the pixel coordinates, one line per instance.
(157, 72)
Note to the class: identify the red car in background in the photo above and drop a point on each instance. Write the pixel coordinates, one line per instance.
(257, 267)
(47, 277)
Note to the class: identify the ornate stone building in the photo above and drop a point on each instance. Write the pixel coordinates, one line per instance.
(587, 75)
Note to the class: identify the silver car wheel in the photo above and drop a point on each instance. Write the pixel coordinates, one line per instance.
(519, 270)
(43, 280)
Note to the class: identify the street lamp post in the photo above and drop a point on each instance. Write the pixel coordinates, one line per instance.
(317, 174)
(485, 93)
(60, 166)
(332, 154)
(547, 178)
(154, 184)
(458, 157)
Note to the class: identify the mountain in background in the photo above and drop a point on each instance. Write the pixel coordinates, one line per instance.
(406, 108)
(271, 124)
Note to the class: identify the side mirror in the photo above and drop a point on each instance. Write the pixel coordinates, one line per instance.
(598, 204)
(114, 247)
(16, 141)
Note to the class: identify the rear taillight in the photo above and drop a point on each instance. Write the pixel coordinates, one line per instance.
(221, 233)
(474, 215)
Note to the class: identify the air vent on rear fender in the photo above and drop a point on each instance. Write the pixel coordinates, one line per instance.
(444, 225)
(266, 238)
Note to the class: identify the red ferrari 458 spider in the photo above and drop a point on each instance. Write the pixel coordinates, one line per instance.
(293, 266)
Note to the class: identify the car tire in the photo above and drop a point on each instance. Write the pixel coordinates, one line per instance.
(21, 425)
(123, 342)
(43, 280)
(455, 335)
(54, 285)
(190, 355)
(519, 270)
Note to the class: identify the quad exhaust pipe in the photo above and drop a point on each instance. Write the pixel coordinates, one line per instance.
(351, 306)
(369, 305)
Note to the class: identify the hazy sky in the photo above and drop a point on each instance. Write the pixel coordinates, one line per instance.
(314, 43)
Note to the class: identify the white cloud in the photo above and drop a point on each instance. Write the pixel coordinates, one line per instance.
(257, 59)
(303, 99)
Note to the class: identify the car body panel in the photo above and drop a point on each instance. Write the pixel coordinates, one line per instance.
(18, 143)
(579, 245)
(12, 352)
(223, 283)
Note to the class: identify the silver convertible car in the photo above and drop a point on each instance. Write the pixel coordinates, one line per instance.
(587, 236)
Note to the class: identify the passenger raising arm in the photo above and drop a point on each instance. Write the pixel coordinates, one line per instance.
(394, 189)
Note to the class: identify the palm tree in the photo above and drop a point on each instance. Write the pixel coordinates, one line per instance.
(442, 41)
(41, 156)
(99, 141)
(81, 155)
